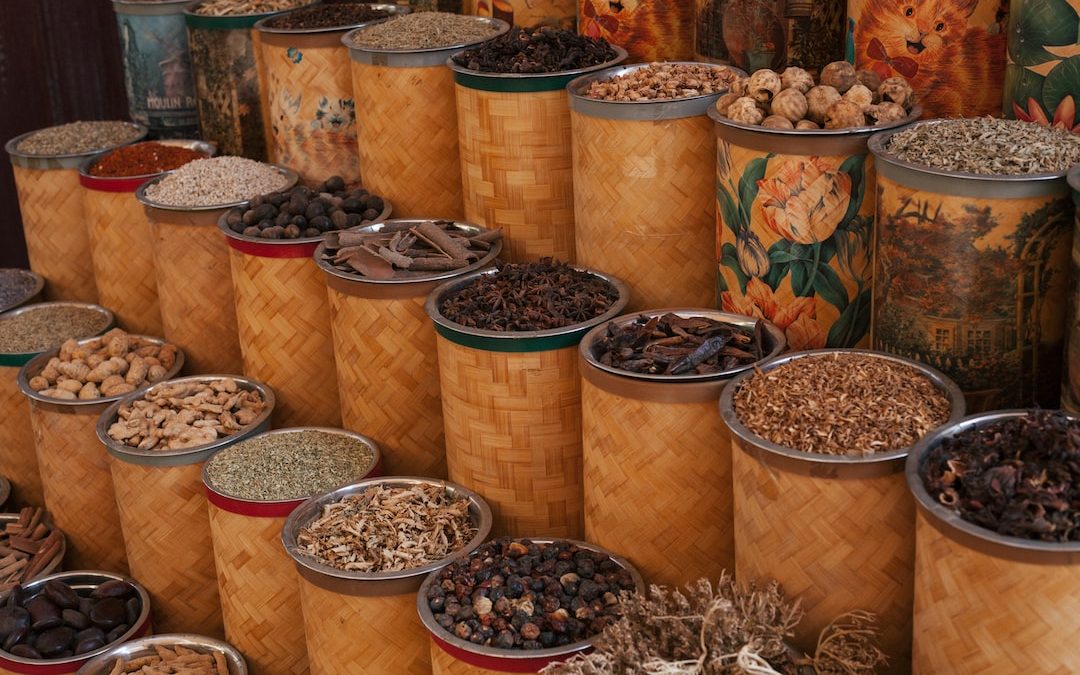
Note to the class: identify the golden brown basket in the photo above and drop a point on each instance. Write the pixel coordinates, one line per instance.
(17, 440)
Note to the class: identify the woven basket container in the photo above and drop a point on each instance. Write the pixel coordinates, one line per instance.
(312, 111)
(644, 437)
(194, 282)
(165, 520)
(121, 247)
(453, 656)
(516, 164)
(51, 204)
(408, 136)
(511, 407)
(651, 30)
(80, 581)
(643, 193)
(763, 253)
(1002, 249)
(259, 598)
(786, 524)
(1070, 393)
(387, 367)
(103, 663)
(381, 606)
(986, 601)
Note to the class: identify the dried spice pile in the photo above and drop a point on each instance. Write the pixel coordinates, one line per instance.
(174, 659)
(306, 212)
(425, 30)
(404, 250)
(289, 466)
(536, 50)
(664, 81)
(841, 404)
(387, 529)
(732, 629)
(15, 286)
(327, 16)
(674, 345)
(233, 7)
(1019, 477)
(27, 546)
(530, 296)
(216, 181)
(518, 594)
(45, 326)
(78, 138)
(143, 159)
(987, 146)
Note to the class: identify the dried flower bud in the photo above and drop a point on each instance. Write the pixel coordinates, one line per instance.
(840, 75)
(818, 100)
(791, 104)
(796, 78)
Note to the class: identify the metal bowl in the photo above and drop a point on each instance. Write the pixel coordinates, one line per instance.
(645, 109)
(53, 566)
(33, 296)
(567, 75)
(416, 58)
(388, 208)
(20, 358)
(102, 663)
(69, 160)
(92, 181)
(291, 178)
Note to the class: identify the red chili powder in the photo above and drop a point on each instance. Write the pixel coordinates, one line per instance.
(142, 159)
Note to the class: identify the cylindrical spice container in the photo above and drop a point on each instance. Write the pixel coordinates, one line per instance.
(387, 368)
(651, 30)
(83, 582)
(74, 468)
(51, 204)
(1070, 393)
(157, 66)
(516, 157)
(340, 604)
(653, 227)
(645, 436)
(147, 647)
(528, 13)
(1042, 84)
(988, 601)
(452, 655)
(407, 133)
(794, 229)
(836, 530)
(511, 403)
(163, 509)
(120, 244)
(260, 599)
(999, 333)
(194, 281)
(919, 47)
(310, 92)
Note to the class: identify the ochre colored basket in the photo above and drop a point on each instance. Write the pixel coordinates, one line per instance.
(443, 663)
(20, 465)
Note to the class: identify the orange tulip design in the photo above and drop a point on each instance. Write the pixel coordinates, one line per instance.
(794, 316)
(805, 200)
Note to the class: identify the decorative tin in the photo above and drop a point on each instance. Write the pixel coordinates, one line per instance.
(558, 13)
(971, 276)
(1070, 394)
(1042, 78)
(651, 30)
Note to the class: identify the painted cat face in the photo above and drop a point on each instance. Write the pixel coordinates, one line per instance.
(920, 29)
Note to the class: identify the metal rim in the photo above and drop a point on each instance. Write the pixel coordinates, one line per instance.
(428, 618)
(620, 55)
(39, 286)
(57, 561)
(483, 262)
(579, 86)
(207, 147)
(501, 26)
(769, 330)
(120, 450)
(738, 430)
(291, 177)
(388, 208)
(100, 664)
(949, 518)
(392, 11)
(86, 580)
(915, 114)
(109, 317)
(369, 442)
(9, 147)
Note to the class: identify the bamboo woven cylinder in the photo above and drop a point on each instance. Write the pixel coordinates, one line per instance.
(837, 531)
(512, 418)
(657, 462)
(1070, 386)
(516, 160)
(20, 465)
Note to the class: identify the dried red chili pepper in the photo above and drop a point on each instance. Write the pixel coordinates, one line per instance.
(142, 159)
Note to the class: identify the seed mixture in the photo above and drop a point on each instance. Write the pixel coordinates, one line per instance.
(306, 212)
(174, 659)
(214, 181)
(233, 7)
(27, 547)
(143, 159)
(326, 16)
(536, 50)
(15, 286)
(841, 404)
(673, 345)
(661, 81)
(987, 146)
(77, 138)
(387, 529)
(424, 30)
(518, 594)
(45, 326)
(403, 250)
(289, 466)
(1019, 477)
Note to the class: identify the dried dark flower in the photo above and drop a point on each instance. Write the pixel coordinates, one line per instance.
(536, 50)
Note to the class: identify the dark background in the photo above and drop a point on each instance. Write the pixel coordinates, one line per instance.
(59, 62)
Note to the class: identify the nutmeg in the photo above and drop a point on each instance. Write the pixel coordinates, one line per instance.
(884, 113)
(860, 96)
(869, 79)
(807, 125)
(777, 122)
(745, 110)
(725, 101)
(897, 90)
(794, 77)
(840, 75)
(818, 100)
(739, 86)
(791, 104)
(764, 84)
(844, 115)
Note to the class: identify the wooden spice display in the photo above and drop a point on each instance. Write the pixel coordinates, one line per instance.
(30, 547)
(651, 30)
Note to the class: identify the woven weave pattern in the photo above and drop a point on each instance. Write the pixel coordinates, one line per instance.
(517, 170)
(79, 489)
(513, 434)
(195, 289)
(408, 138)
(836, 544)
(374, 635)
(123, 258)
(19, 464)
(260, 599)
(643, 199)
(978, 614)
(57, 243)
(167, 535)
(639, 457)
(389, 377)
(445, 664)
(283, 319)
